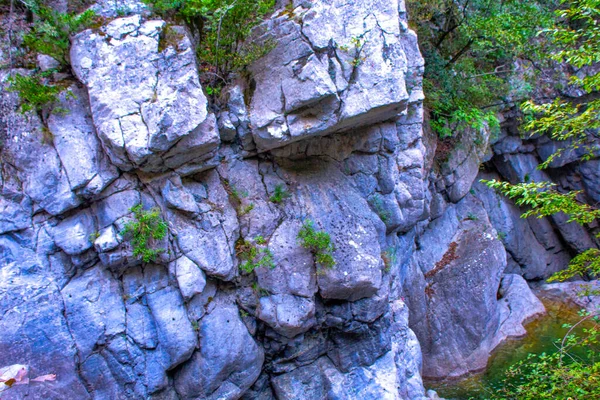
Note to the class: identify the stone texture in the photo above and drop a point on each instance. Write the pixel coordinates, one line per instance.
(349, 85)
(288, 315)
(227, 363)
(152, 101)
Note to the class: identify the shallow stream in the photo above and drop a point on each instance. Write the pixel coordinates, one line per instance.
(542, 335)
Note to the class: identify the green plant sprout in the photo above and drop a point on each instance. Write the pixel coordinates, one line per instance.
(146, 227)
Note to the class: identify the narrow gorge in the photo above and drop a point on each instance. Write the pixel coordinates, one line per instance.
(322, 147)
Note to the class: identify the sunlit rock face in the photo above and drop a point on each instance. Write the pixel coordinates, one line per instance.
(323, 76)
(146, 100)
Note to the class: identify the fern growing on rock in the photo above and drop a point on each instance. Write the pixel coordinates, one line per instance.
(319, 244)
(145, 229)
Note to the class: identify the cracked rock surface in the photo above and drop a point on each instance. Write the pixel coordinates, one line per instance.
(431, 272)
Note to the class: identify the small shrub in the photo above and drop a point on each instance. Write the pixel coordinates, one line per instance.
(379, 208)
(52, 30)
(254, 256)
(389, 258)
(319, 243)
(245, 210)
(34, 95)
(472, 217)
(146, 227)
(279, 194)
(260, 292)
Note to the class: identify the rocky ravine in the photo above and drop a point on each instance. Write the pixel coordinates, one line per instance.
(430, 270)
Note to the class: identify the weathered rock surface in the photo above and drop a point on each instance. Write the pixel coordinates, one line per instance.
(330, 77)
(151, 114)
(228, 361)
(430, 266)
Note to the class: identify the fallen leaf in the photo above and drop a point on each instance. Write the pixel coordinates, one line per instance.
(10, 382)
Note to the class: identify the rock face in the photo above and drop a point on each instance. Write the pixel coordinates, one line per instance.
(331, 77)
(430, 266)
(151, 114)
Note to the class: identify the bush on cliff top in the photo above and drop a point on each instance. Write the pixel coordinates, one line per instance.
(224, 27)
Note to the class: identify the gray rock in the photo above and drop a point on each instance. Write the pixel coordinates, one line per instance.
(94, 309)
(465, 264)
(190, 278)
(176, 196)
(176, 335)
(140, 326)
(153, 99)
(15, 211)
(46, 62)
(288, 315)
(352, 86)
(34, 330)
(227, 363)
(515, 233)
(519, 306)
(294, 271)
(579, 293)
(114, 207)
(74, 234)
(108, 239)
(77, 145)
(360, 345)
(27, 146)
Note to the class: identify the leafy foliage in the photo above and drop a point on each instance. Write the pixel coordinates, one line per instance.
(573, 372)
(146, 227)
(51, 32)
(224, 27)
(279, 194)
(34, 94)
(543, 200)
(318, 242)
(577, 43)
(470, 47)
(254, 255)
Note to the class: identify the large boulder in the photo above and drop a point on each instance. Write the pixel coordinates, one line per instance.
(460, 259)
(151, 114)
(330, 76)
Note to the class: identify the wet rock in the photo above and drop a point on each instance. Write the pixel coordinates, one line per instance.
(519, 306)
(580, 293)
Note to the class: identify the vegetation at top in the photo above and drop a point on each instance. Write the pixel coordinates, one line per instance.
(49, 34)
(576, 42)
(224, 27)
(470, 48)
(52, 30)
(145, 229)
(319, 244)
